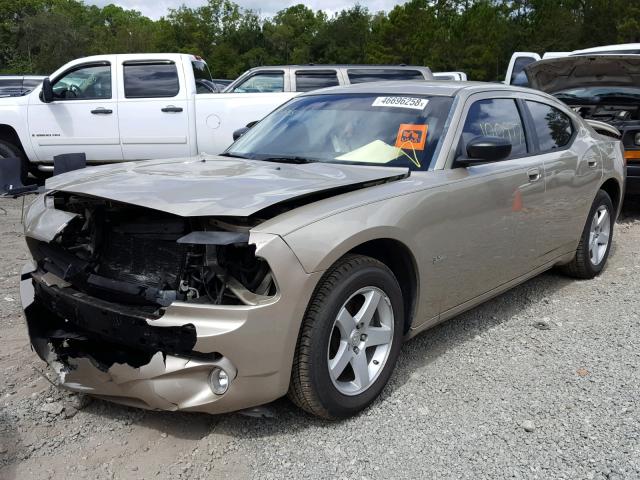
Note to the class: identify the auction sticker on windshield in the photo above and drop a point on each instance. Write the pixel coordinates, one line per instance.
(411, 137)
(401, 102)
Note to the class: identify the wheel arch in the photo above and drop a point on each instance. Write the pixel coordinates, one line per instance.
(9, 134)
(613, 189)
(398, 257)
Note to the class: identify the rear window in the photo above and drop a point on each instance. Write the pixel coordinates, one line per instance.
(380, 75)
(150, 79)
(553, 128)
(313, 80)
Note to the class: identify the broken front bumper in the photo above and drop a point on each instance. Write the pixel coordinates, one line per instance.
(254, 344)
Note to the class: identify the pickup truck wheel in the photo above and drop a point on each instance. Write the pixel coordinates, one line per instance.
(350, 339)
(595, 242)
(7, 150)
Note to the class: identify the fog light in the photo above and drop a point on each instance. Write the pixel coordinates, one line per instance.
(218, 381)
(636, 139)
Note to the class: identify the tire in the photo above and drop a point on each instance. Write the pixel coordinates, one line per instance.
(591, 257)
(350, 285)
(8, 149)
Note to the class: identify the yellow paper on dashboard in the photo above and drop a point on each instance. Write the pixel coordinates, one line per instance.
(377, 152)
(374, 152)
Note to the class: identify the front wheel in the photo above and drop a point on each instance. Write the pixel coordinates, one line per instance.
(595, 242)
(350, 339)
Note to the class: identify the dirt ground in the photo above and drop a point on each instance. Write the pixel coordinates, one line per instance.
(541, 382)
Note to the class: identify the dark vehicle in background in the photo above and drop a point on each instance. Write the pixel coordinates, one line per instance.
(304, 78)
(18, 85)
(603, 89)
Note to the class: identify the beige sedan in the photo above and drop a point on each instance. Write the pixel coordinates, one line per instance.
(298, 261)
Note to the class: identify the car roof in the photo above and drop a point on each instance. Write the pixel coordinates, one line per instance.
(420, 87)
(321, 66)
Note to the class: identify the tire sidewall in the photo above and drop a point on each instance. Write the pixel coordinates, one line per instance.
(602, 199)
(336, 403)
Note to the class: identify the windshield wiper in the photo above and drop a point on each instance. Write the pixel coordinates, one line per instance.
(233, 155)
(285, 159)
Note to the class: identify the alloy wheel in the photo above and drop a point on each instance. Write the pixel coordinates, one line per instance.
(599, 235)
(360, 340)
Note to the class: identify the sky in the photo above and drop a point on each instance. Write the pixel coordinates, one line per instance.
(267, 8)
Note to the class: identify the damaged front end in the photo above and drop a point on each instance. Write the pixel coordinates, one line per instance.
(145, 308)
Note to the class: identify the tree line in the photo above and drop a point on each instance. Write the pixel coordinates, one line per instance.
(475, 36)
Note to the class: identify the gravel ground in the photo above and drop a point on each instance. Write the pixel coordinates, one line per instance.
(542, 382)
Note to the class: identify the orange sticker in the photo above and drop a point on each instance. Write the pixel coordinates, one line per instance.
(411, 137)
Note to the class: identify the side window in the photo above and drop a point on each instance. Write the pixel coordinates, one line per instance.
(315, 79)
(496, 117)
(150, 79)
(518, 77)
(87, 82)
(262, 82)
(364, 75)
(553, 128)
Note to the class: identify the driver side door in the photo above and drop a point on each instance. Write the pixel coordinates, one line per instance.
(496, 210)
(82, 118)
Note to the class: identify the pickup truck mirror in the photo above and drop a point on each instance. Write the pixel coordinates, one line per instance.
(241, 131)
(47, 91)
(484, 150)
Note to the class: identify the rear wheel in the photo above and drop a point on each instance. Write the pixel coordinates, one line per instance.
(595, 242)
(350, 339)
(8, 149)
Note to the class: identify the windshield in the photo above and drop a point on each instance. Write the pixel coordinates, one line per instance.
(599, 94)
(374, 129)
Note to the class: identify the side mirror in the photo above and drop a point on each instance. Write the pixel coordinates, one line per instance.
(47, 91)
(485, 150)
(241, 131)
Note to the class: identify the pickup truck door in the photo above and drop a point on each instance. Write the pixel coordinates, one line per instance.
(82, 118)
(153, 109)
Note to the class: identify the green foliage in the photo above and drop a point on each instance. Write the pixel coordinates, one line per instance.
(475, 36)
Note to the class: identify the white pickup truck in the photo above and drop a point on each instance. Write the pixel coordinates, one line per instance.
(126, 107)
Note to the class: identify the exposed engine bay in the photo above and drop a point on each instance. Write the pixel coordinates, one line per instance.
(141, 257)
(616, 115)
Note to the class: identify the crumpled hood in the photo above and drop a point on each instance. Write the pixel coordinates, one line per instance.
(578, 71)
(213, 185)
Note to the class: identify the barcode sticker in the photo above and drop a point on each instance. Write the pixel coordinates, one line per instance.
(401, 102)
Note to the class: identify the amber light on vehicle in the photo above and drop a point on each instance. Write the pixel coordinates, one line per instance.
(632, 155)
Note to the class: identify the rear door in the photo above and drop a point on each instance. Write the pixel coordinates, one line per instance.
(496, 209)
(153, 109)
(515, 72)
(82, 118)
(572, 172)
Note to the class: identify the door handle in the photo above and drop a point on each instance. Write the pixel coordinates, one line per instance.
(592, 163)
(171, 109)
(533, 174)
(102, 111)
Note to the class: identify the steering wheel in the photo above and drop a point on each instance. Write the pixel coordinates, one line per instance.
(73, 90)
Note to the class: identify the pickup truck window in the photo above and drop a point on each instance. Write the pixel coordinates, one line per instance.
(204, 82)
(364, 75)
(150, 79)
(262, 82)
(85, 82)
(314, 79)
